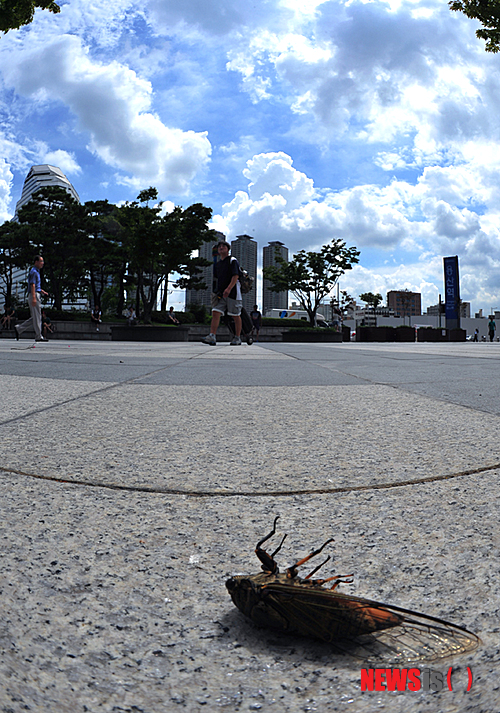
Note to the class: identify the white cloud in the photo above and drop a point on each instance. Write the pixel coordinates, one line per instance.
(112, 106)
(64, 160)
(6, 177)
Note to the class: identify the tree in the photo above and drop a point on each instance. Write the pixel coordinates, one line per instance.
(159, 246)
(56, 225)
(14, 253)
(371, 299)
(488, 14)
(15, 13)
(105, 254)
(311, 276)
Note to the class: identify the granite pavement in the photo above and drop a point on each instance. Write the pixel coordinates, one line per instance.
(136, 478)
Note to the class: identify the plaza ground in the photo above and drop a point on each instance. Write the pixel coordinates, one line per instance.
(136, 478)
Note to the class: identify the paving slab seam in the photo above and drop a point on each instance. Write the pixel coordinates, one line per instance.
(101, 390)
(250, 493)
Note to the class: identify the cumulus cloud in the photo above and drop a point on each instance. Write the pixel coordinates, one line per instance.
(112, 106)
(64, 160)
(6, 177)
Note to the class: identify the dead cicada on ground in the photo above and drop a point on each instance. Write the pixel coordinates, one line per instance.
(363, 628)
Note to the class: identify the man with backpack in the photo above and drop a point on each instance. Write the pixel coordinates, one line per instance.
(226, 294)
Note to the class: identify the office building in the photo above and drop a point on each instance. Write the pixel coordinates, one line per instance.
(270, 299)
(405, 303)
(244, 249)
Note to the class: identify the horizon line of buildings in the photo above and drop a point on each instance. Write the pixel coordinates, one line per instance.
(402, 303)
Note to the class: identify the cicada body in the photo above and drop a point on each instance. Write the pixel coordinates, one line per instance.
(364, 628)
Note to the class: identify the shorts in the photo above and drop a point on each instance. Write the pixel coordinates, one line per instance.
(219, 304)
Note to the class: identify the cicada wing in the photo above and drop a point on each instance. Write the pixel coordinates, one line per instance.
(365, 629)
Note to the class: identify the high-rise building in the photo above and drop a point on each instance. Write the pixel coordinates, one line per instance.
(204, 296)
(244, 249)
(43, 176)
(270, 299)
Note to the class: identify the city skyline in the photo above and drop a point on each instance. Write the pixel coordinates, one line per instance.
(377, 123)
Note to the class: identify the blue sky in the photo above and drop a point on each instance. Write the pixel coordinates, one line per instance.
(376, 122)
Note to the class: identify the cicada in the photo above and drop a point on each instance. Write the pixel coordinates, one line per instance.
(364, 628)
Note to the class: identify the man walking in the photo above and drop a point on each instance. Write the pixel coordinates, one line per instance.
(35, 291)
(491, 328)
(226, 294)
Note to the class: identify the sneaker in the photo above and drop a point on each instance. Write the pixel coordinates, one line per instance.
(235, 342)
(41, 339)
(210, 339)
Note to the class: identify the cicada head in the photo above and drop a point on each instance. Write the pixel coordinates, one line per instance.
(242, 593)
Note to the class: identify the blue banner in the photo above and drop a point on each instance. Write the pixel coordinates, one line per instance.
(451, 287)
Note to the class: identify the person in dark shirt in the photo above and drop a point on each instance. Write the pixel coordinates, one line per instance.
(256, 318)
(226, 294)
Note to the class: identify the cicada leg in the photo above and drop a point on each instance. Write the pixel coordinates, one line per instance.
(292, 571)
(316, 568)
(268, 563)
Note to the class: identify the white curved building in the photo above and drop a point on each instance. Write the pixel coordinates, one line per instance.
(41, 177)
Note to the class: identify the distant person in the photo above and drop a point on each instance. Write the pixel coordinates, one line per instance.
(132, 317)
(8, 318)
(171, 316)
(256, 318)
(491, 328)
(476, 335)
(96, 316)
(47, 327)
(35, 305)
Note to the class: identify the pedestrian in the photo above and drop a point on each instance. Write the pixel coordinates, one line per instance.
(256, 318)
(476, 335)
(132, 317)
(47, 326)
(491, 328)
(96, 316)
(35, 305)
(172, 317)
(226, 294)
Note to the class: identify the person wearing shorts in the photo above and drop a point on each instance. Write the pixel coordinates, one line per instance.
(226, 294)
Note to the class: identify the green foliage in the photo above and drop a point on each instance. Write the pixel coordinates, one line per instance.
(488, 14)
(104, 252)
(186, 317)
(15, 13)
(200, 312)
(158, 246)
(371, 299)
(55, 226)
(311, 276)
(14, 252)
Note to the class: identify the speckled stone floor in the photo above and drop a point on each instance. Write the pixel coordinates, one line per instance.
(136, 478)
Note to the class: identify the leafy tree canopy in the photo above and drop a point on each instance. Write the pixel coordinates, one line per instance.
(371, 299)
(488, 14)
(311, 276)
(15, 13)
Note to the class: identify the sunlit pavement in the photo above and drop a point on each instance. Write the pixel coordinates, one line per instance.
(136, 477)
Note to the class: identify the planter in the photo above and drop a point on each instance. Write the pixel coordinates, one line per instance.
(385, 334)
(149, 334)
(312, 335)
(405, 334)
(427, 334)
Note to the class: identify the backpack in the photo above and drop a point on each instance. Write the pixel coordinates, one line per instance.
(246, 282)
